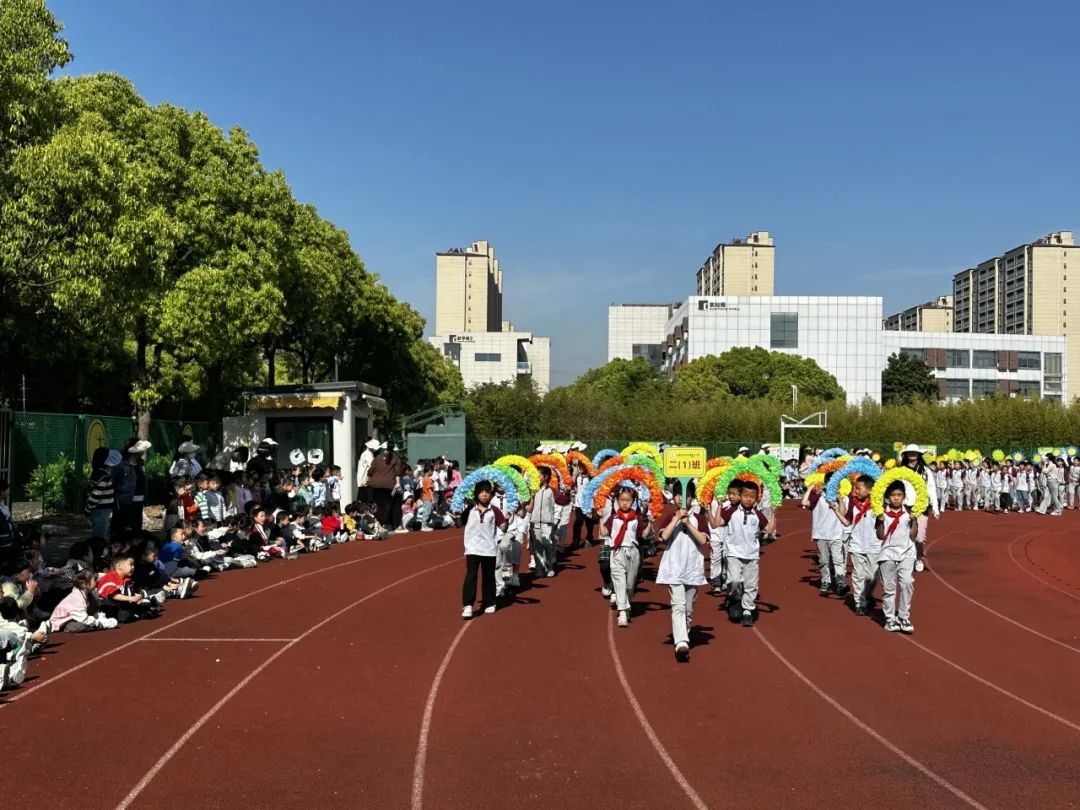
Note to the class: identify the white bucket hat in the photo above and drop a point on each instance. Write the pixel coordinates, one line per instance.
(372, 444)
(296, 457)
(141, 446)
(912, 448)
(189, 447)
(315, 456)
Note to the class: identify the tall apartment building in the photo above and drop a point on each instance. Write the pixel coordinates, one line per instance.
(638, 330)
(740, 267)
(1024, 292)
(933, 316)
(468, 290)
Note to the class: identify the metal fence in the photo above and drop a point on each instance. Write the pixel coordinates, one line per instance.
(38, 439)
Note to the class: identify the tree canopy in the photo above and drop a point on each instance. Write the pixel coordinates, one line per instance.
(156, 246)
(905, 380)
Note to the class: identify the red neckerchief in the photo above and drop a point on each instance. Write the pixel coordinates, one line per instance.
(860, 508)
(895, 522)
(625, 517)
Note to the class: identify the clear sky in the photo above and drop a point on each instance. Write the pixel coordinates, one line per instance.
(605, 148)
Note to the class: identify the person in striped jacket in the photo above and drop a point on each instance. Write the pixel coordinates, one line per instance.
(100, 497)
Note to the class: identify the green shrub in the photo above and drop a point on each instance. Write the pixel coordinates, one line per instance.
(52, 484)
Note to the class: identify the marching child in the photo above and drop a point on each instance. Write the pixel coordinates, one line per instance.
(482, 522)
(508, 560)
(542, 520)
(682, 569)
(863, 544)
(896, 560)
(620, 533)
(827, 532)
(956, 482)
(996, 488)
(743, 552)
(583, 517)
(985, 487)
(717, 533)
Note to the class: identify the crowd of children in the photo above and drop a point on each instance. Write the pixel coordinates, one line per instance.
(240, 516)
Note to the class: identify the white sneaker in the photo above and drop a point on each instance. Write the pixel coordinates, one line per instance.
(624, 620)
(466, 612)
(551, 573)
(18, 663)
(906, 626)
(401, 530)
(515, 582)
(614, 601)
(605, 591)
(919, 565)
(185, 588)
(489, 609)
(426, 529)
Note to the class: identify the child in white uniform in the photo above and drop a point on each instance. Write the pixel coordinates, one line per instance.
(743, 551)
(620, 533)
(863, 544)
(682, 569)
(717, 533)
(508, 558)
(483, 522)
(828, 534)
(897, 530)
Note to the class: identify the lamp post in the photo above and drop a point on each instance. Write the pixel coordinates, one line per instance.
(794, 396)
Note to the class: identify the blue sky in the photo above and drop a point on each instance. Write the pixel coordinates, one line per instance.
(604, 148)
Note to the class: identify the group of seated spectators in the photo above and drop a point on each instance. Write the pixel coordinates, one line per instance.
(214, 520)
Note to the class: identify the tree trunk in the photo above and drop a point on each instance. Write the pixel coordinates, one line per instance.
(144, 424)
(271, 366)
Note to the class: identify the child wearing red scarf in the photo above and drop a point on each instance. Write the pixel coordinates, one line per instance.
(864, 545)
(897, 530)
(620, 533)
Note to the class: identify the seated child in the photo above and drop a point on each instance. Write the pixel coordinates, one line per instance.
(197, 547)
(13, 621)
(119, 600)
(332, 527)
(236, 540)
(73, 614)
(173, 555)
(18, 583)
(151, 578)
(289, 539)
(260, 535)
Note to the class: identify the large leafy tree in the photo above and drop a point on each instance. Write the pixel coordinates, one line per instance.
(503, 409)
(758, 373)
(905, 380)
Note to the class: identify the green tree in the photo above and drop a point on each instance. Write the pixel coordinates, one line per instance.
(905, 380)
(503, 409)
(757, 373)
(700, 380)
(619, 379)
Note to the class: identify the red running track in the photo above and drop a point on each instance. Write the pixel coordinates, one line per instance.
(347, 679)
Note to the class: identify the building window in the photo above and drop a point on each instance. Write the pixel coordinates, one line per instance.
(1051, 363)
(1028, 390)
(1029, 360)
(983, 359)
(784, 330)
(983, 388)
(453, 351)
(957, 389)
(910, 352)
(481, 357)
(651, 353)
(957, 358)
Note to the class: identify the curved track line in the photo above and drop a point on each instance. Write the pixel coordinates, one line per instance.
(187, 735)
(1001, 616)
(22, 693)
(995, 687)
(658, 746)
(910, 760)
(420, 762)
(1031, 573)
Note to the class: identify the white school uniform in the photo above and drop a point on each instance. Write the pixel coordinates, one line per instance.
(625, 557)
(482, 531)
(743, 550)
(828, 533)
(864, 547)
(896, 564)
(682, 569)
(716, 543)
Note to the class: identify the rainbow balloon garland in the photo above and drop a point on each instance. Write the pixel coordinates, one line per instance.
(520, 484)
(527, 468)
(637, 476)
(554, 462)
(496, 476)
(651, 464)
(749, 469)
(856, 467)
(642, 449)
(583, 460)
(602, 456)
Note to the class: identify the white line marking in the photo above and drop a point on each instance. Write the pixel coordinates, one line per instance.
(1031, 573)
(1001, 616)
(200, 640)
(658, 746)
(993, 686)
(22, 693)
(425, 725)
(910, 760)
(187, 735)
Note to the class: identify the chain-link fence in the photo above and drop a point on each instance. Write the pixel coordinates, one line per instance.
(40, 439)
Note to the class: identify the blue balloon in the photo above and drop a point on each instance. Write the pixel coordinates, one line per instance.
(489, 473)
(861, 465)
(831, 454)
(603, 456)
(589, 493)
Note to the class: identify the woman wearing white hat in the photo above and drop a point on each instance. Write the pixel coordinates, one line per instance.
(363, 468)
(185, 465)
(912, 458)
(129, 485)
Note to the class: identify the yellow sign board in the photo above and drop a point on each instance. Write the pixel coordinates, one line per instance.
(685, 462)
(96, 437)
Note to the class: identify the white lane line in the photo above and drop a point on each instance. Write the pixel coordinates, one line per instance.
(1031, 573)
(910, 760)
(994, 686)
(200, 640)
(658, 746)
(420, 763)
(187, 735)
(22, 693)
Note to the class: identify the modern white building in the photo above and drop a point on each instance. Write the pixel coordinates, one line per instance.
(844, 335)
(638, 330)
(973, 365)
(497, 357)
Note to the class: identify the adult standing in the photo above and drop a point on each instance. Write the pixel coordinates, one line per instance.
(262, 464)
(100, 496)
(383, 480)
(363, 470)
(912, 458)
(129, 487)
